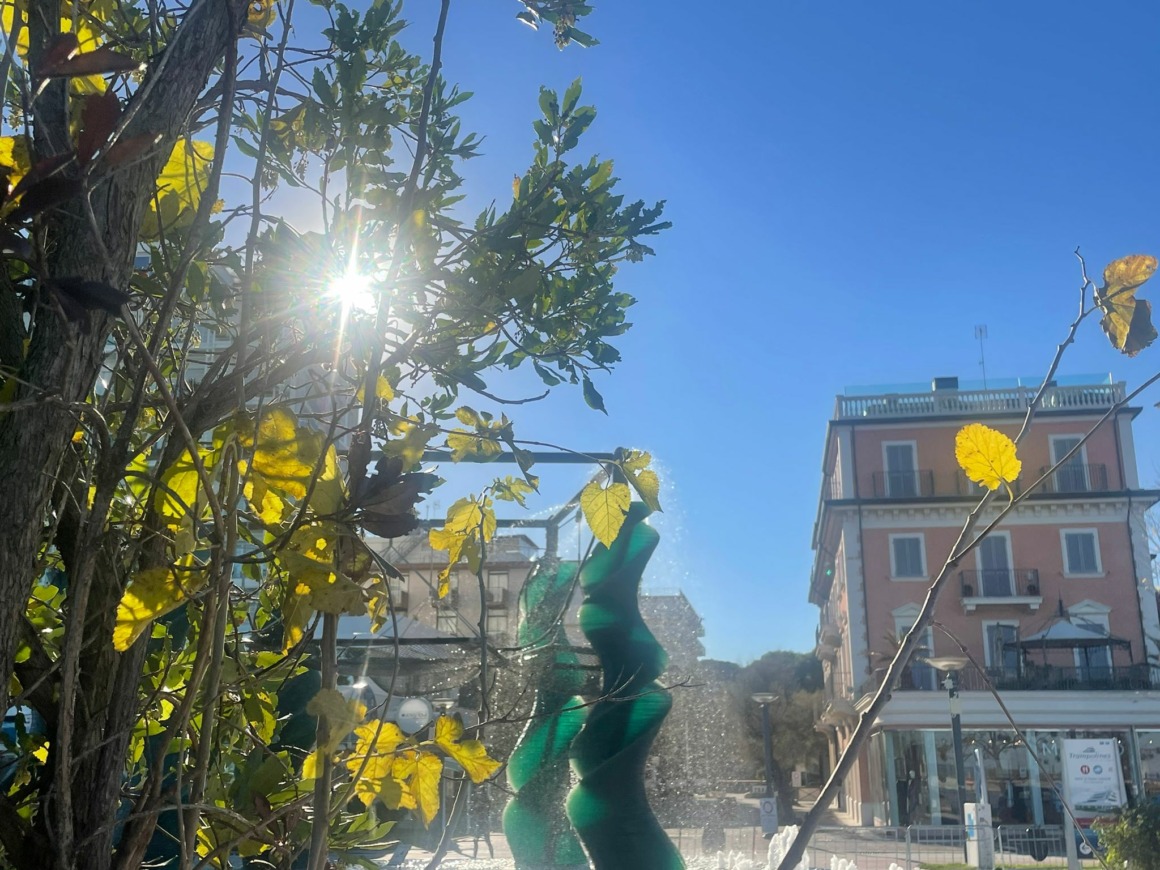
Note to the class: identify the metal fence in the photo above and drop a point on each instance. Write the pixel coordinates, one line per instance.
(915, 847)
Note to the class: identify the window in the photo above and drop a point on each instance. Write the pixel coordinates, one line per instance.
(999, 656)
(1072, 476)
(919, 675)
(996, 579)
(446, 621)
(901, 463)
(1093, 664)
(1081, 552)
(497, 579)
(497, 623)
(907, 556)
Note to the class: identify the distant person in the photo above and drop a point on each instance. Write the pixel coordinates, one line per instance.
(479, 819)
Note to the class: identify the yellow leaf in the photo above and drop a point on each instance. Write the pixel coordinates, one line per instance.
(376, 738)
(471, 754)
(151, 593)
(1128, 273)
(182, 497)
(279, 451)
(260, 14)
(1127, 321)
(425, 785)
(412, 438)
(341, 716)
(374, 757)
(179, 187)
(987, 456)
(605, 509)
(469, 515)
(383, 390)
(465, 445)
(270, 509)
(312, 766)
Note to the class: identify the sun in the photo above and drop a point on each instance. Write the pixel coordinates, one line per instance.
(354, 291)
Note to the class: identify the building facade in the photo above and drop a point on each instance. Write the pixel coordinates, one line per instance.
(1057, 606)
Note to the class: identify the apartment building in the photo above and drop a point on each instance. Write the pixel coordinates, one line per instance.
(510, 559)
(1058, 605)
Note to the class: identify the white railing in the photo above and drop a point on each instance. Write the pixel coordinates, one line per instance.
(971, 402)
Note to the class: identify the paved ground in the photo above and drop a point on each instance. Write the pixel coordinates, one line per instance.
(746, 842)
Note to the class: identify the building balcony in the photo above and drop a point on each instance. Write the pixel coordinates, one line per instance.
(1000, 586)
(828, 634)
(1074, 479)
(1033, 678)
(451, 599)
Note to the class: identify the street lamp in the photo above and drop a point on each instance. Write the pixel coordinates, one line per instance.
(764, 699)
(952, 666)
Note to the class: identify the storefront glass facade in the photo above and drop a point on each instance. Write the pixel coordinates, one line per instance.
(921, 787)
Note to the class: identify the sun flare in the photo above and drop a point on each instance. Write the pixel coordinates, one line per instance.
(354, 291)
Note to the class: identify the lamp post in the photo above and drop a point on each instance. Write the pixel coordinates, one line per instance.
(952, 666)
(769, 820)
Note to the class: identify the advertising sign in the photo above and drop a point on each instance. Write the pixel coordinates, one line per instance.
(1091, 768)
(769, 816)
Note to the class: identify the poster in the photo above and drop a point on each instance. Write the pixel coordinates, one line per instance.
(1091, 768)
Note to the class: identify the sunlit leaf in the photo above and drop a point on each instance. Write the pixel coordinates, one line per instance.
(383, 390)
(636, 467)
(1127, 321)
(341, 716)
(412, 438)
(179, 187)
(260, 14)
(471, 754)
(605, 508)
(263, 501)
(425, 785)
(151, 593)
(987, 456)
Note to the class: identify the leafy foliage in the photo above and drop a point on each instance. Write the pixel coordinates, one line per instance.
(1132, 838)
(234, 429)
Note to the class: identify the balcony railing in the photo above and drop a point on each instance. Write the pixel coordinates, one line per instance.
(1076, 478)
(956, 403)
(922, 483)
(1000, 583)
(1035, 678)
(902, 484)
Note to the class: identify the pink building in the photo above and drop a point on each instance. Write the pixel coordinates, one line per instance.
(1057, 606)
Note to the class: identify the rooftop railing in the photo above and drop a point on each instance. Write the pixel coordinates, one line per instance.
(958, 403)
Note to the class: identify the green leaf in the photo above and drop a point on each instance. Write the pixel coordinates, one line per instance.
(592, 397)
(571, 97)
(549, 105)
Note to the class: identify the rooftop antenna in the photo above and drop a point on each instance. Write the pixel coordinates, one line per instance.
(980, 334)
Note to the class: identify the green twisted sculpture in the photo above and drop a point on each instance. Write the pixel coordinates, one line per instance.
(609, 808)
(534, 822)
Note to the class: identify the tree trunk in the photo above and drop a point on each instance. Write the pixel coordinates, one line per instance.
(61, 367)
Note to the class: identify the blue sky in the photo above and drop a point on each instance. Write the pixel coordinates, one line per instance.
(854, 186)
